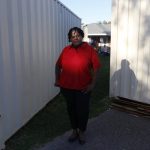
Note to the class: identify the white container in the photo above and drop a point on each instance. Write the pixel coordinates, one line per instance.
(130, 50)
(32, 34)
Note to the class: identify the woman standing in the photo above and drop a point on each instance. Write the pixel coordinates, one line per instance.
(76, 71)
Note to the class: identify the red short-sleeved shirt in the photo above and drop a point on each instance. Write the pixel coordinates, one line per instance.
(76, 65)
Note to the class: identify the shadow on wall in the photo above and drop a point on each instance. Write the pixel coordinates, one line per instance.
(124, 82)
(142, 38)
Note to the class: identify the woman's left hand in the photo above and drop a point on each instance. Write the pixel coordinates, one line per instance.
(88, 88)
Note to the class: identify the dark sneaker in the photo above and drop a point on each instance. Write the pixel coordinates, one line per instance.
(73, 136)
(81, 138)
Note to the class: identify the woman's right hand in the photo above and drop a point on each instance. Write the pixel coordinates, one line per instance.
(56, 84)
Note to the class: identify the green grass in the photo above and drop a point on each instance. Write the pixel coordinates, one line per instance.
(100, 100)
(53, 120)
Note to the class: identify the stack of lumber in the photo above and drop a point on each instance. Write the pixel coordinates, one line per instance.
(131, 106)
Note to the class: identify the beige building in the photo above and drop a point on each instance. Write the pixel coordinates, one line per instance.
(98, 32)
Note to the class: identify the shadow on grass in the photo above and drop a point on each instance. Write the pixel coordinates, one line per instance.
(53, 119)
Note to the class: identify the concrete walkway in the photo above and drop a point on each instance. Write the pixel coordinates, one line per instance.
(112, 130)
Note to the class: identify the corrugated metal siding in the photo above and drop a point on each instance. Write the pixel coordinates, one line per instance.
(130, 63)
(32, 34)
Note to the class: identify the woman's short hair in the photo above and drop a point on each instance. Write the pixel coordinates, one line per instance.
(75, 29)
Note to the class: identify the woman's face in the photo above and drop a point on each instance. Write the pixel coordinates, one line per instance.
(76, 38)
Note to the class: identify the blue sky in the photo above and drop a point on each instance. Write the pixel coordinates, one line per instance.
(90, 11)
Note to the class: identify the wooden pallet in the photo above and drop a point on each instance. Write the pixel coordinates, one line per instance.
(134, 107)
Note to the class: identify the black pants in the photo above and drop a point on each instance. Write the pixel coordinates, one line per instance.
(78, 107)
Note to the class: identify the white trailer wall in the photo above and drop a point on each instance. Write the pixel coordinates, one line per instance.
(130, 54)
(32, 34)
